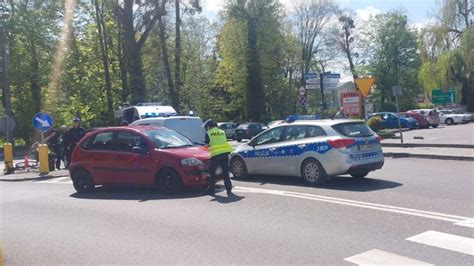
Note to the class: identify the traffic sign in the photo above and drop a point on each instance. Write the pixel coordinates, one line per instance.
(364, 85)
(311, 78)
(351, 103)
(42, 122)
(302, 101)
(442, 97)
(302, 91)
(397, 91)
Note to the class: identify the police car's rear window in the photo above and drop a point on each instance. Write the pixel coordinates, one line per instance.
(353, 129)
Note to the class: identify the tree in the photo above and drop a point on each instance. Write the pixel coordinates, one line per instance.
(137, 21)
(395, 60)
(445, 51)
(312, 18)
(30, 27)
(254, 14)
(104, 50)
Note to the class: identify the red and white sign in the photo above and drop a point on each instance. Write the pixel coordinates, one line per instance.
(352, 103)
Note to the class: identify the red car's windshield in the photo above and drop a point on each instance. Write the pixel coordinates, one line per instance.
(164, 138)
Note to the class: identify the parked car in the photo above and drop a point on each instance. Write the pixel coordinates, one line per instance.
(189, 126)
(229, 128)
(138, 156)
(469, 115)
(311, 149)
(248, 130)
(432, 115)
(422, 122)
(390, 120)
(449, 117)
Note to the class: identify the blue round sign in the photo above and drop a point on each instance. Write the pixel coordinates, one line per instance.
(42, 121)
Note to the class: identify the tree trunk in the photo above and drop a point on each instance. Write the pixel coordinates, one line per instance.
(105, 60)
(132, 55)
(34, 79)
(164, 51)
(255, 92)
(122, 64)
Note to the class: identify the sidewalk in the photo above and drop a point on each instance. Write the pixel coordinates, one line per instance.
(31, 175)
(462, 154)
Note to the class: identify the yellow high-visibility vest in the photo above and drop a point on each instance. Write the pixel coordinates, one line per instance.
(218, 142)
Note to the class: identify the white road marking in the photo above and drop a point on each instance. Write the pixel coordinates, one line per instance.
(60, 180)
(466, 223)
(355, 203)
(446, 241)
(380, 257)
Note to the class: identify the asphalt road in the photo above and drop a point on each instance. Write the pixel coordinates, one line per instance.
(405, 213)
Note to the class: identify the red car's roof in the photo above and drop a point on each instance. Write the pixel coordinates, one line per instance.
(132, 128)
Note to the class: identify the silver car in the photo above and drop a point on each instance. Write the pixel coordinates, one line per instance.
(313, 149)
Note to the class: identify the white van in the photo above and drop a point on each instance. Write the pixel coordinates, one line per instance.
(143, 110)
(190, 126)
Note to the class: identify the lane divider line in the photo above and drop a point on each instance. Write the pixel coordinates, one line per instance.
(361, 204)
(380, 257)
(445, 241)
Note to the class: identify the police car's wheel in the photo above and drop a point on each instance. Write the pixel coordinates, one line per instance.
(169, 181)
(82, 181)
(360, 175)
(238, 167)
(312, 172)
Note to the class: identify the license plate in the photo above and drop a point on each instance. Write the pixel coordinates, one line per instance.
(365, 147)
(240, 131)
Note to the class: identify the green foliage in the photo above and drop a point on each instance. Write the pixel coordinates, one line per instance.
(395, 59)
(375, 123)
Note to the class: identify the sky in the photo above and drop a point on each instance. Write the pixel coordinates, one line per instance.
(418, 11)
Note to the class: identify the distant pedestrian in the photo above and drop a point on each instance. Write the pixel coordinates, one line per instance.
(340, 114)
(74, 135)
(220, 150)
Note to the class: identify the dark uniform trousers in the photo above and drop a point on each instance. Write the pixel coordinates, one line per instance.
(221, 160)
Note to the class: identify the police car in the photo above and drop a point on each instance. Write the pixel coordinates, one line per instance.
(312, 149)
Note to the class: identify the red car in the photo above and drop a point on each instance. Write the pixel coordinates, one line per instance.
(138, 156)
(422, 122)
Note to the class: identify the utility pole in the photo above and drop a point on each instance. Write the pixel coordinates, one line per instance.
(4, 68)
(323, 101)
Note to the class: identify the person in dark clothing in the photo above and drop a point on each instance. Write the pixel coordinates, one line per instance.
(219, 150)
(74, 135)
(54, 143)
(63, 142)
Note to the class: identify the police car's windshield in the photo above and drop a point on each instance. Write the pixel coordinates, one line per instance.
(164, 138)
(353, 129)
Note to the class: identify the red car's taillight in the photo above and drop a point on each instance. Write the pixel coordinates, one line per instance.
(341, 143)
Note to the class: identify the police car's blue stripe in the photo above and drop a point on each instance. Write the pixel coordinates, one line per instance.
(286, 151)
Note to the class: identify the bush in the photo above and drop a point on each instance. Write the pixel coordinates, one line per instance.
(375, 123)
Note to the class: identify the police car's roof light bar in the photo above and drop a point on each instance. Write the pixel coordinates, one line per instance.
(153, 114)
(292, 118)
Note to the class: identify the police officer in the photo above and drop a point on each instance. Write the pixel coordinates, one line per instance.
(220, 150)
(74, 135)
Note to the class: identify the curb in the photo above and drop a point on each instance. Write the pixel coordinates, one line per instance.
(427, 156)
(46, 177)
(428, 145)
